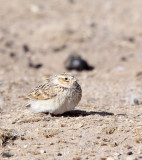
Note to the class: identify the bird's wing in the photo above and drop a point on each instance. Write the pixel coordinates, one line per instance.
(43, 92)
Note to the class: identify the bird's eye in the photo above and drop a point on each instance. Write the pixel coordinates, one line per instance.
(66, 79)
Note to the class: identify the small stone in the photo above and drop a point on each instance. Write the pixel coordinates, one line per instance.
(129, 153)
(93, 25)
(114, 144)
(71, 1)
(36, 66)
(25, 146)
(136, 101)
(109, 130)
(42, 151)
(51, 143)
(59, 154)
(131, 39)
(23, 138)
(75, 62)
(106, 140)
(12, 54)
(128, 147)
(36, 152)
(117, 155)
(123, 58)
(6, 155)
(34, 8)
(26, 48)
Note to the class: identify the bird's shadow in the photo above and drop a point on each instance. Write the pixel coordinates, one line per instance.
(79, 113)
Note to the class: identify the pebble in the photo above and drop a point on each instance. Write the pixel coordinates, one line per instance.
(131, 39)
(75, 62)
(25, 146)
(129, 153)
(42, 151)
(6, 155)
(12, 54)
(59, 154)
(36, 66)
(123, 59)
(136, 101)
(26, 48)
(34, 8)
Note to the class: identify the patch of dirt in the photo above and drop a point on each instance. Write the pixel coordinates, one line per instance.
(6, 136)
(36, 37)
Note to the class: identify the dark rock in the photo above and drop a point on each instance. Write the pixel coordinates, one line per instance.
(7, 135)
(75, 62)
(59, 154)
(131, 39)
(123, 59)
(36, 66)
(26, 48)
(136, 101)
(6, 155)
(71, 1)
(12, 54)
(93, 25)
(129, 153)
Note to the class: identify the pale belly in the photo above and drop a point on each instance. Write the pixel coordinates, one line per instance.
(57, 105)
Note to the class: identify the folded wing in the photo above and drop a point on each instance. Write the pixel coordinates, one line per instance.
(43, 92)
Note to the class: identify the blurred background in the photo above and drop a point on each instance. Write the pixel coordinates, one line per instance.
(99, 38)
(99, 41)
(104, 33)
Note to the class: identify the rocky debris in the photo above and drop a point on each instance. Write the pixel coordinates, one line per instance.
(123, 59)
(29, 56)
(136, 101)
(6, 155)
(12, 54)
(131, 39)
(129, 153)
(76, 62)
(26, 48)
(59, 154)
(42, 151)
(6, 136)
(36, 66)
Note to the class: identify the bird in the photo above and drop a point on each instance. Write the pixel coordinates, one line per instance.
(58, 94)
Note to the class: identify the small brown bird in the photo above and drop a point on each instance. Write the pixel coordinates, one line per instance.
(60, 93)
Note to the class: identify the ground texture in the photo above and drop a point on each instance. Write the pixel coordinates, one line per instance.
(107, 123)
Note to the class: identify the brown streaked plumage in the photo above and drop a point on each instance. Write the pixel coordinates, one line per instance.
(42, 92)
(60, 93)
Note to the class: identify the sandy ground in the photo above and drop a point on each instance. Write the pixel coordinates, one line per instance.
(107, 123)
